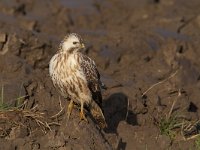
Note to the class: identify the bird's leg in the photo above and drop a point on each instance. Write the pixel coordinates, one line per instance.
(82, 115)
(70, 108)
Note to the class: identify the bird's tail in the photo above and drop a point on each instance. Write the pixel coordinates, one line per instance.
(98, 114)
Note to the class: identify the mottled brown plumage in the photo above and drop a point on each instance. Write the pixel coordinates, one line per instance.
(76, 77)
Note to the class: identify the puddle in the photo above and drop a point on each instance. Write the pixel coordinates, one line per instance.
(171, 34)
(153, 44)
(94, 32)
(105, 52)
(112, 55)
(85, 7)
(7, 18)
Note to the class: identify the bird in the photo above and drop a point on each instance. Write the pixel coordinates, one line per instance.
(76, 78)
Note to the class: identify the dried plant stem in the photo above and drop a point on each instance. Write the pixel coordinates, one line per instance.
(172, 75)
(192, 137)
(127, 110)
(173, 104)
(61, 109)
(2, 92)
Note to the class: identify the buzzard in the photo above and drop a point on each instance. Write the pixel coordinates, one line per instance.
(76, 77)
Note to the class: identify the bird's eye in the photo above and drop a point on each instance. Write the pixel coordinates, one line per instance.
(75, 43)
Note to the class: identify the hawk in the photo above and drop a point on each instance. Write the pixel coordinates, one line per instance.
(76, 77)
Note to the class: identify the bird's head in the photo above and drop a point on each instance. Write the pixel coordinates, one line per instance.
(72, 42)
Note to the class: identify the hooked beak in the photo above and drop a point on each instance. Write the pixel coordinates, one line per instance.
(82, 46)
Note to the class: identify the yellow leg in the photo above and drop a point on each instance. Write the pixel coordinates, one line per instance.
(70, 108)
(82, 115)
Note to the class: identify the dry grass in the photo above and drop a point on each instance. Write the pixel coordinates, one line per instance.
(171, 125)
(19, 115)
(158, 83)
(4, 106)
(197, 143)
(60, 112)
(24, 117)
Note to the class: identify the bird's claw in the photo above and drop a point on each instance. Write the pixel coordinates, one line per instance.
(82, 116)
(69, 109)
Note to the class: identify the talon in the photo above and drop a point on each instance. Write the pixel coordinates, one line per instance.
(70, 108)
(82, 116)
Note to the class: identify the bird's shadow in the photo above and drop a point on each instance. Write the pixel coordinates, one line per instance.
(116, 109)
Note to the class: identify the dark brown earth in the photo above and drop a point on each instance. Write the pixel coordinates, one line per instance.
(135, 44)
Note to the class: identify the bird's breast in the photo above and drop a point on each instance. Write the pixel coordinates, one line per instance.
(68, 77)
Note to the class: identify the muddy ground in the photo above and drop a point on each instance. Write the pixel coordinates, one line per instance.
(136, 44)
